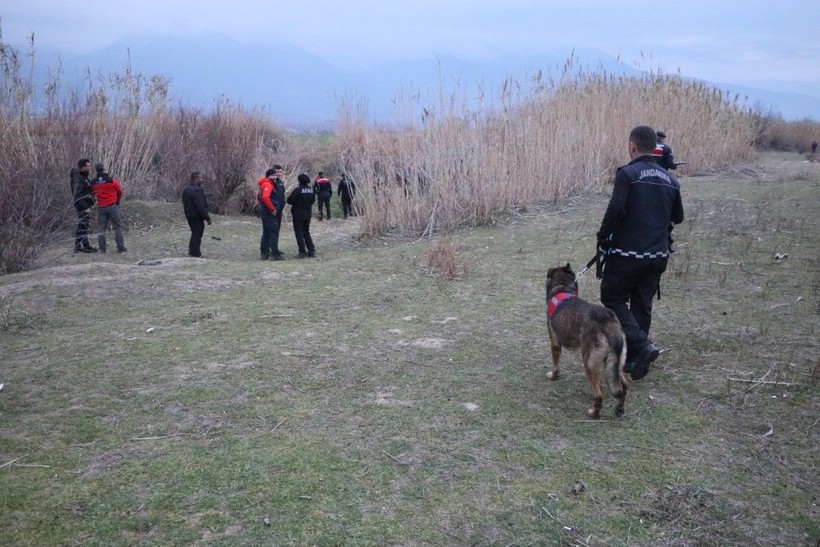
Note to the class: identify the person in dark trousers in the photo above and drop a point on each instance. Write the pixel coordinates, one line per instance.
(635, 234)
(346, 191)
(271, 198)
(662, 152)
(324, 190)
(301, 200)
(195, 205)
(83, 203)
(813, 147)
(108, 192)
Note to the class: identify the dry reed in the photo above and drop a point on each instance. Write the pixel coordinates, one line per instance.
(451, 166)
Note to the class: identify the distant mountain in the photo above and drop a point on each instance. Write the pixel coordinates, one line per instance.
(301, 90)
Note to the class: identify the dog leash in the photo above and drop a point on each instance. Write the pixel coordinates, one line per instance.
(594, 259)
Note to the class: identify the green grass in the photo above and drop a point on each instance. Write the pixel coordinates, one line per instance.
(334, 396)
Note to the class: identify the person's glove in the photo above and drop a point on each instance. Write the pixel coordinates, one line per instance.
(604, 244)
(208, 220)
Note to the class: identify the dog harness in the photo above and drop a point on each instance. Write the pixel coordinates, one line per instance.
(556, 300)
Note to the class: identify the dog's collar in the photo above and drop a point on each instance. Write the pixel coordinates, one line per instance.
(556, 300)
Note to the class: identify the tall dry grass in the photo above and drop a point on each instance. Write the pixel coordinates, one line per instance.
(453, 164)
(124, 121)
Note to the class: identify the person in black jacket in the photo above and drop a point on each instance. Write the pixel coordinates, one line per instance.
(324, 191)
(195, 205)
(301, 200)
(635, 234)
(83, 202)
(346, 191)
(663, 152)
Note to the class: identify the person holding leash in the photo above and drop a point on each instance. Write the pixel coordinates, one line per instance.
(195, 205)
(635, 236)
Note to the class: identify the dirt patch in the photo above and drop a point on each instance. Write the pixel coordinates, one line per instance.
(426, 343)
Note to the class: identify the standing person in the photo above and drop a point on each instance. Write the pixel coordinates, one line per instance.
(813, 147)
(108, 192)
(324, 189)
(346, 191)
(195, 205)
(301, 200)
(271, 198)
(83, 203)
(662, 152)
(635, 234)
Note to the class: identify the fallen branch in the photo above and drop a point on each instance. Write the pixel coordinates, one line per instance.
(762, 382)
(31, 465)
(277, 425)
(395, 459)
(149, 438)
(12, 461)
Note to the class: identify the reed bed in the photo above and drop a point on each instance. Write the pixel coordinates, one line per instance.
(454, 165)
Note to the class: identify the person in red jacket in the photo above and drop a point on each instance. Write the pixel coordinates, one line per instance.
(108, 192)
(271, 198)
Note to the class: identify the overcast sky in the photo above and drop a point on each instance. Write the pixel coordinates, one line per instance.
(727, 41)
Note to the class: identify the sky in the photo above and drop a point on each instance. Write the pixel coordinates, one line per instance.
(730, 41)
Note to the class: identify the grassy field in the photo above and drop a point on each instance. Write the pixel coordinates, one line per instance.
(361, 399)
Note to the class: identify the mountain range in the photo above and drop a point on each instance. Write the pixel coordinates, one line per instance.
(301, 90)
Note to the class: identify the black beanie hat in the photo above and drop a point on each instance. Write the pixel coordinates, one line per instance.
(304, 179)
(99, 167)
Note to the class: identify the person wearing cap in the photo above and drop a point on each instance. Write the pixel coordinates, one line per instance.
(83, 202)
(635, 237)
(301, 200)
(324, 190)
(271, 199)
(195, 205)
(108, 192)
(663, 152)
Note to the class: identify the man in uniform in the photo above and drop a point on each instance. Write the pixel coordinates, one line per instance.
(324, 189)
(635, 235)
(663, 152)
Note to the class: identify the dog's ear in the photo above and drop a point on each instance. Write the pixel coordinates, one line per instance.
(568, 268)
(550, 272)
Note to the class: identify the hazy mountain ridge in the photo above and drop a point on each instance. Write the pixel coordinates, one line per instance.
(301, 89)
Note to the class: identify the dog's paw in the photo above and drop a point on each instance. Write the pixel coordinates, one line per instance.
(552, 375)
(619, 412)
(593, 413)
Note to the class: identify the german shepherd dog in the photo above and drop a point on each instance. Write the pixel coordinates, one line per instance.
(574, 323)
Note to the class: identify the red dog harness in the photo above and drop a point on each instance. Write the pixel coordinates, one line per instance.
(555, 301)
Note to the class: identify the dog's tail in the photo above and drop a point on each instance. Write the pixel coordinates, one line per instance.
(615, 364)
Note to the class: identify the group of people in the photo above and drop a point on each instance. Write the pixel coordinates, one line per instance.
(271, 201)
(634, 237)
(106, 192)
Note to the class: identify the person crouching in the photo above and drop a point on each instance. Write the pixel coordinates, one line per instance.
(301, 200)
